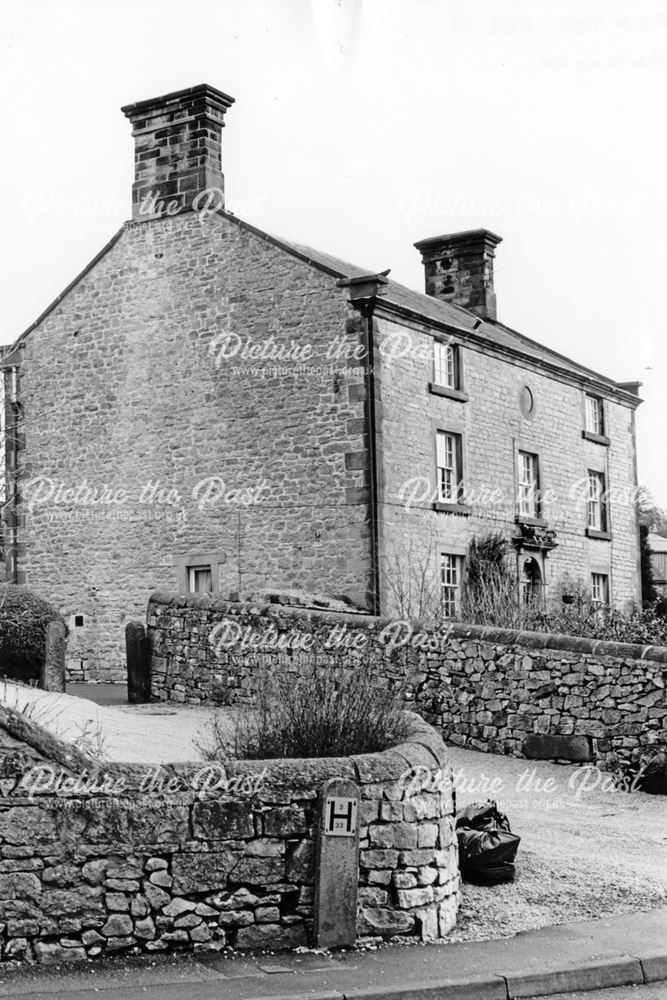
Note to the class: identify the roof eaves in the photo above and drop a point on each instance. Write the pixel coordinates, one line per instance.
(545, 356)
(345, 270)
(400, 309)
(574, 374)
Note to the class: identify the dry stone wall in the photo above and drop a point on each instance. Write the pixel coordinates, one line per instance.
(487, 689)
(99, 859)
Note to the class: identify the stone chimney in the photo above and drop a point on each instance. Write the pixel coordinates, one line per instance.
(459, 268)
(177, 153)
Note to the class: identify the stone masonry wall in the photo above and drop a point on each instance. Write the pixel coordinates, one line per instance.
(487, 689)
(493, 428)
(105, 858)
(153, 432)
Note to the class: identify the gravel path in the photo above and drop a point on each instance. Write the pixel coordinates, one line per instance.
(586, 850)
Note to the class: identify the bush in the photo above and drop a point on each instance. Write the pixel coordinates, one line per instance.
(491, 597)
(490, 593)
(329, 712)
(23, 621)
(645, 627)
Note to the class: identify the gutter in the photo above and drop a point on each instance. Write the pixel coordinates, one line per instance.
(363, 292)
(621, 392)
(9, 401)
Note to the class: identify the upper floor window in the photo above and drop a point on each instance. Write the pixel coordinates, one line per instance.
(529, 485)
(450, 584)
(597, 511)
(600, 589)
(449, 466)
(446, 365)
(594, 415)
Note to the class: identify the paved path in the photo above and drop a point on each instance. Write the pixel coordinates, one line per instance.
(569, 957)
(152, 734)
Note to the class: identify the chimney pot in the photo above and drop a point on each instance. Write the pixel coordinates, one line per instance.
(177, 151)
(458, 268)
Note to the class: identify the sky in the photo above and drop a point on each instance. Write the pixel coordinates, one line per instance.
(360, 127)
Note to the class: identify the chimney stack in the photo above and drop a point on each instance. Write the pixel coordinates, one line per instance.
(177, 151)
(459, 268)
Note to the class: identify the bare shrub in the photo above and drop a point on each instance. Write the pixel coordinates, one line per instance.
(327, 712)
(411, 575)
(491, 597)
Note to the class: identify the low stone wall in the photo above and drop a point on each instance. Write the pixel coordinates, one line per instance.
(494, 690)
(99, 859)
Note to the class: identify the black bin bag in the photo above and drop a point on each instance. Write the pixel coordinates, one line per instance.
(487, 846)
(652, 775)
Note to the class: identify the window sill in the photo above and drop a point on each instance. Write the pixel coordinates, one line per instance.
(535, 522)
(596, 438)
(603, 536)
(444, 390)
(453, 508)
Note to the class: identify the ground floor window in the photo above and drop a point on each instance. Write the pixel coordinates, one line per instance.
(600, 589)
(450, 584)
(200, 580)
(198, 572)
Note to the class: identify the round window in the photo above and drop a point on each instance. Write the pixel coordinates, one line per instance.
(526, 402)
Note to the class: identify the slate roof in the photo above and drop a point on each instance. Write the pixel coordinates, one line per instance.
(423, 306)
(431, 308)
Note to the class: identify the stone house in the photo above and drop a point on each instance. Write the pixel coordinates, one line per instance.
(209, 407)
